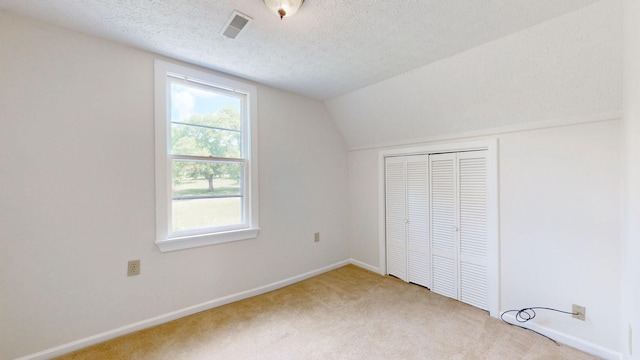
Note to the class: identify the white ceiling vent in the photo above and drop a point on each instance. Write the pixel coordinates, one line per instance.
(235, 24)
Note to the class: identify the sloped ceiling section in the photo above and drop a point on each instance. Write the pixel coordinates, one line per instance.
(567, 67)
(327, 49)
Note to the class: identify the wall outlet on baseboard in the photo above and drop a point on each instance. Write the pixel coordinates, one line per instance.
(579, 312)
(316, 237)
(133, 267)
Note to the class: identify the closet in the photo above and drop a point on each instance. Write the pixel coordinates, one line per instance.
(436, 223)
(407, 203)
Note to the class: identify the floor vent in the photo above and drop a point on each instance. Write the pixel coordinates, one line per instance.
(235, 24)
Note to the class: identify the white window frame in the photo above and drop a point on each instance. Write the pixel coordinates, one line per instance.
(165, 239)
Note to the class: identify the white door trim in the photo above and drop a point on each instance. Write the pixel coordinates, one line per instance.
(493, 222)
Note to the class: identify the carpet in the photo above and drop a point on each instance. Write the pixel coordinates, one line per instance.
(347, 313)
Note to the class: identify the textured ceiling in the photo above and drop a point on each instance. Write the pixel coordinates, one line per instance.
(327, 49)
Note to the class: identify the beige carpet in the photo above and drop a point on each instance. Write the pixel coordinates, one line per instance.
(348, 313)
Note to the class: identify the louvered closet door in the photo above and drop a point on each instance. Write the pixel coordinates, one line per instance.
(418, 220)
(396, 205)
(444, 244)
(472, 169)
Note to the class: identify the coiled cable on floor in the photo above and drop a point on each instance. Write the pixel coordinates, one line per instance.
(525, 314)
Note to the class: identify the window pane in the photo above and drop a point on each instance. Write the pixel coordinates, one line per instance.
(206, 212)
(206, 194)
(205, 121)
(197, 140)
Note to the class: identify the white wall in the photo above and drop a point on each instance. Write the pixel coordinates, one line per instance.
(565, 67)
(77, 197)
(552, 95)
(363, 207)
(631, 234)
(559, 225)
(77, 193)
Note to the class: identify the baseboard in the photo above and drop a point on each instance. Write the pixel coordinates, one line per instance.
(569, 340)
(365, 266)
(127, 329)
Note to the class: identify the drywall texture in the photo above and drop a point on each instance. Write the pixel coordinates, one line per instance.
(327, 49)
(363, 206)
(560, 193)
(568, 66)
(631, 234)
(559, 224)
(77, 193)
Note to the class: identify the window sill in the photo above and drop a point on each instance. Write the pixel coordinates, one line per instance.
(188, 242)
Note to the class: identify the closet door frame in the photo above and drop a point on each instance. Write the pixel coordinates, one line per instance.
(493, 241)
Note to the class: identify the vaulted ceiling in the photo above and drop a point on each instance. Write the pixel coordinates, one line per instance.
(327, 49)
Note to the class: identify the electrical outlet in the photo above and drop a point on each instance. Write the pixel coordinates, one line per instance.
(133, 268)
(316, 237)
(579, 312)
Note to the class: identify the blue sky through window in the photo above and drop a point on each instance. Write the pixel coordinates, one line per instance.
(187, 101)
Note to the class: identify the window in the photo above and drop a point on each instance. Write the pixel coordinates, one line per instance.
(206, 161)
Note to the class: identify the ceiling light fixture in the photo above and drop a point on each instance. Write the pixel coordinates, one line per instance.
(283, 8)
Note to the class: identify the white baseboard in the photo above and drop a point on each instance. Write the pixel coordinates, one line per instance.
(569, 340)
(111, 334)
(365, 266)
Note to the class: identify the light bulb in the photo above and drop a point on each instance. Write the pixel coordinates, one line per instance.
(283, 8)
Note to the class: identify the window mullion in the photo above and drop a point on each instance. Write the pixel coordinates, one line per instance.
(205, 126)
(208, 159)
(207, 192)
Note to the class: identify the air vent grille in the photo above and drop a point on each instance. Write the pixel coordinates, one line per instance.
(235, 24)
